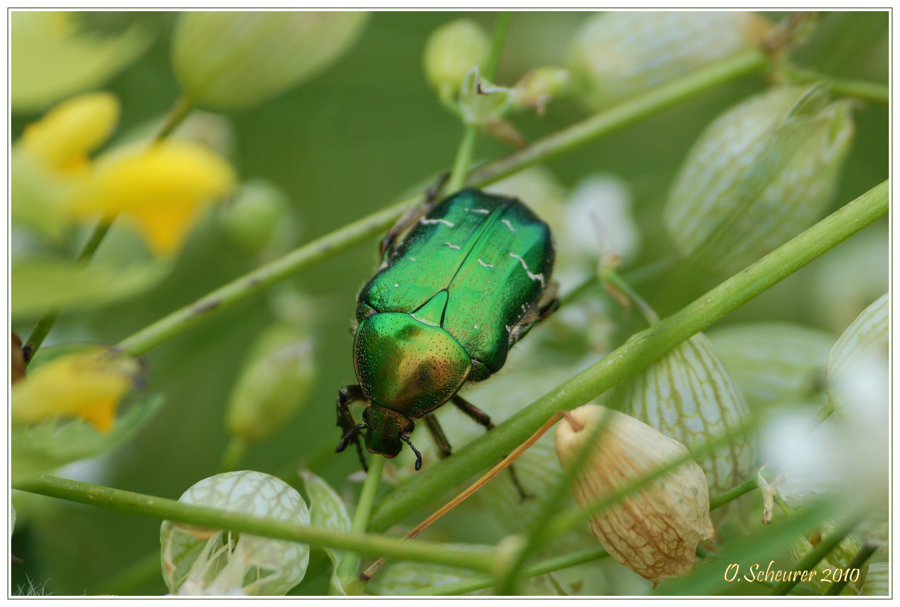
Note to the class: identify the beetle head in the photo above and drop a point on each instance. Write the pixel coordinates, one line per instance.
(386, 429)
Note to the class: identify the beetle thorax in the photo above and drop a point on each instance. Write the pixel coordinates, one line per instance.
(406, 365)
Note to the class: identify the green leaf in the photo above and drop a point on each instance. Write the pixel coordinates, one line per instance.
(38, 285)
(55, 441)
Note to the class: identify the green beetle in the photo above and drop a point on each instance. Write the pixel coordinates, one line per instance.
(469, 280)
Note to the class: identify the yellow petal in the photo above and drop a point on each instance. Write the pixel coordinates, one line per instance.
(87, 384)
(161, 189)
(62, 139)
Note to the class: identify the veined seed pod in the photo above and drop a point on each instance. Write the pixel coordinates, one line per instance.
(774, 361)
(655, 530)
(838, 560)
(274, 384)
(231, 60)
(850, 363)
(204, 562)
(758, 175)
(688, 395)
(878, 580)
(450, 52)
(617, 55)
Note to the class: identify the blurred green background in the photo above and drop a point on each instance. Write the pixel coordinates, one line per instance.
(343, 145)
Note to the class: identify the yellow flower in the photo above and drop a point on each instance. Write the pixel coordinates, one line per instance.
(160, 189)
(62, 139)
(88, 384)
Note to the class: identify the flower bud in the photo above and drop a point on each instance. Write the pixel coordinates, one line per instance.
(758, 175)
(688, 395)
(542, 84)
(274, 384)
(837, 561)
(878, 580)
(655, 530)
(450, 51)
(857, 352)
(773, 361)
(232, 60)
(617, 55)
(258, 217)
(204, 562)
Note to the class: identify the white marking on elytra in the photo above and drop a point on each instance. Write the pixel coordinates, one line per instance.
(539, 277)
(425, 220)
(397, 284)
(412, 258)
(508, 225)
(476, 326)
(480, 211)
(486, 265)
(508, 328)
(452, 246)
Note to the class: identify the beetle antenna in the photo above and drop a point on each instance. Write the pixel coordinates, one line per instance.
(350, 436)
(405, 438)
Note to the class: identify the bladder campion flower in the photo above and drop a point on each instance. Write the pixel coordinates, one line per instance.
(232, 60)
(655, 530)
(87, 384)
(204, 562)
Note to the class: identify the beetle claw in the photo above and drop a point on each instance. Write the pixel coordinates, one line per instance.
(349, 437)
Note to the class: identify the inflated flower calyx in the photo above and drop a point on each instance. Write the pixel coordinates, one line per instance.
(655, 530)
(688, 395)
(207, 562)
(761, 173)
(617, 55)
(229, 61)
(774, 361)
(856, 356)
(838, 560)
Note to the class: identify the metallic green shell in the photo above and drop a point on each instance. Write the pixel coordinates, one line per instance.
(490, 254)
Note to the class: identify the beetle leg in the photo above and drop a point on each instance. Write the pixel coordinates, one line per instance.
(482, 418)
(432, 198)
(347, 395)
(437, 433)
(472, 411)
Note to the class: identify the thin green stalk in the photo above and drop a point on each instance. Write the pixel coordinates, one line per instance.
(213, 518)
(732, 494)
(46, 322)
(350, 562)
(819, 552)
(638, 352)
(846, 87)
(858, 561)
(479, 582)
(751, 61)
(233, 454)
(359, 231)
(499, 37)
(182, 107)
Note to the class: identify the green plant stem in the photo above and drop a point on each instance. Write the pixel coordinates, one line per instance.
(179, 111)
(861, 89)
(748, 62)
(214, 518)
(819, 552)
(463, 159)
(359, 231)
(349, 565)
(499, 37)
(858, 561)
(233, 454)
(638, 352)
(732, 494)
(479, 582)
(46, 322)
